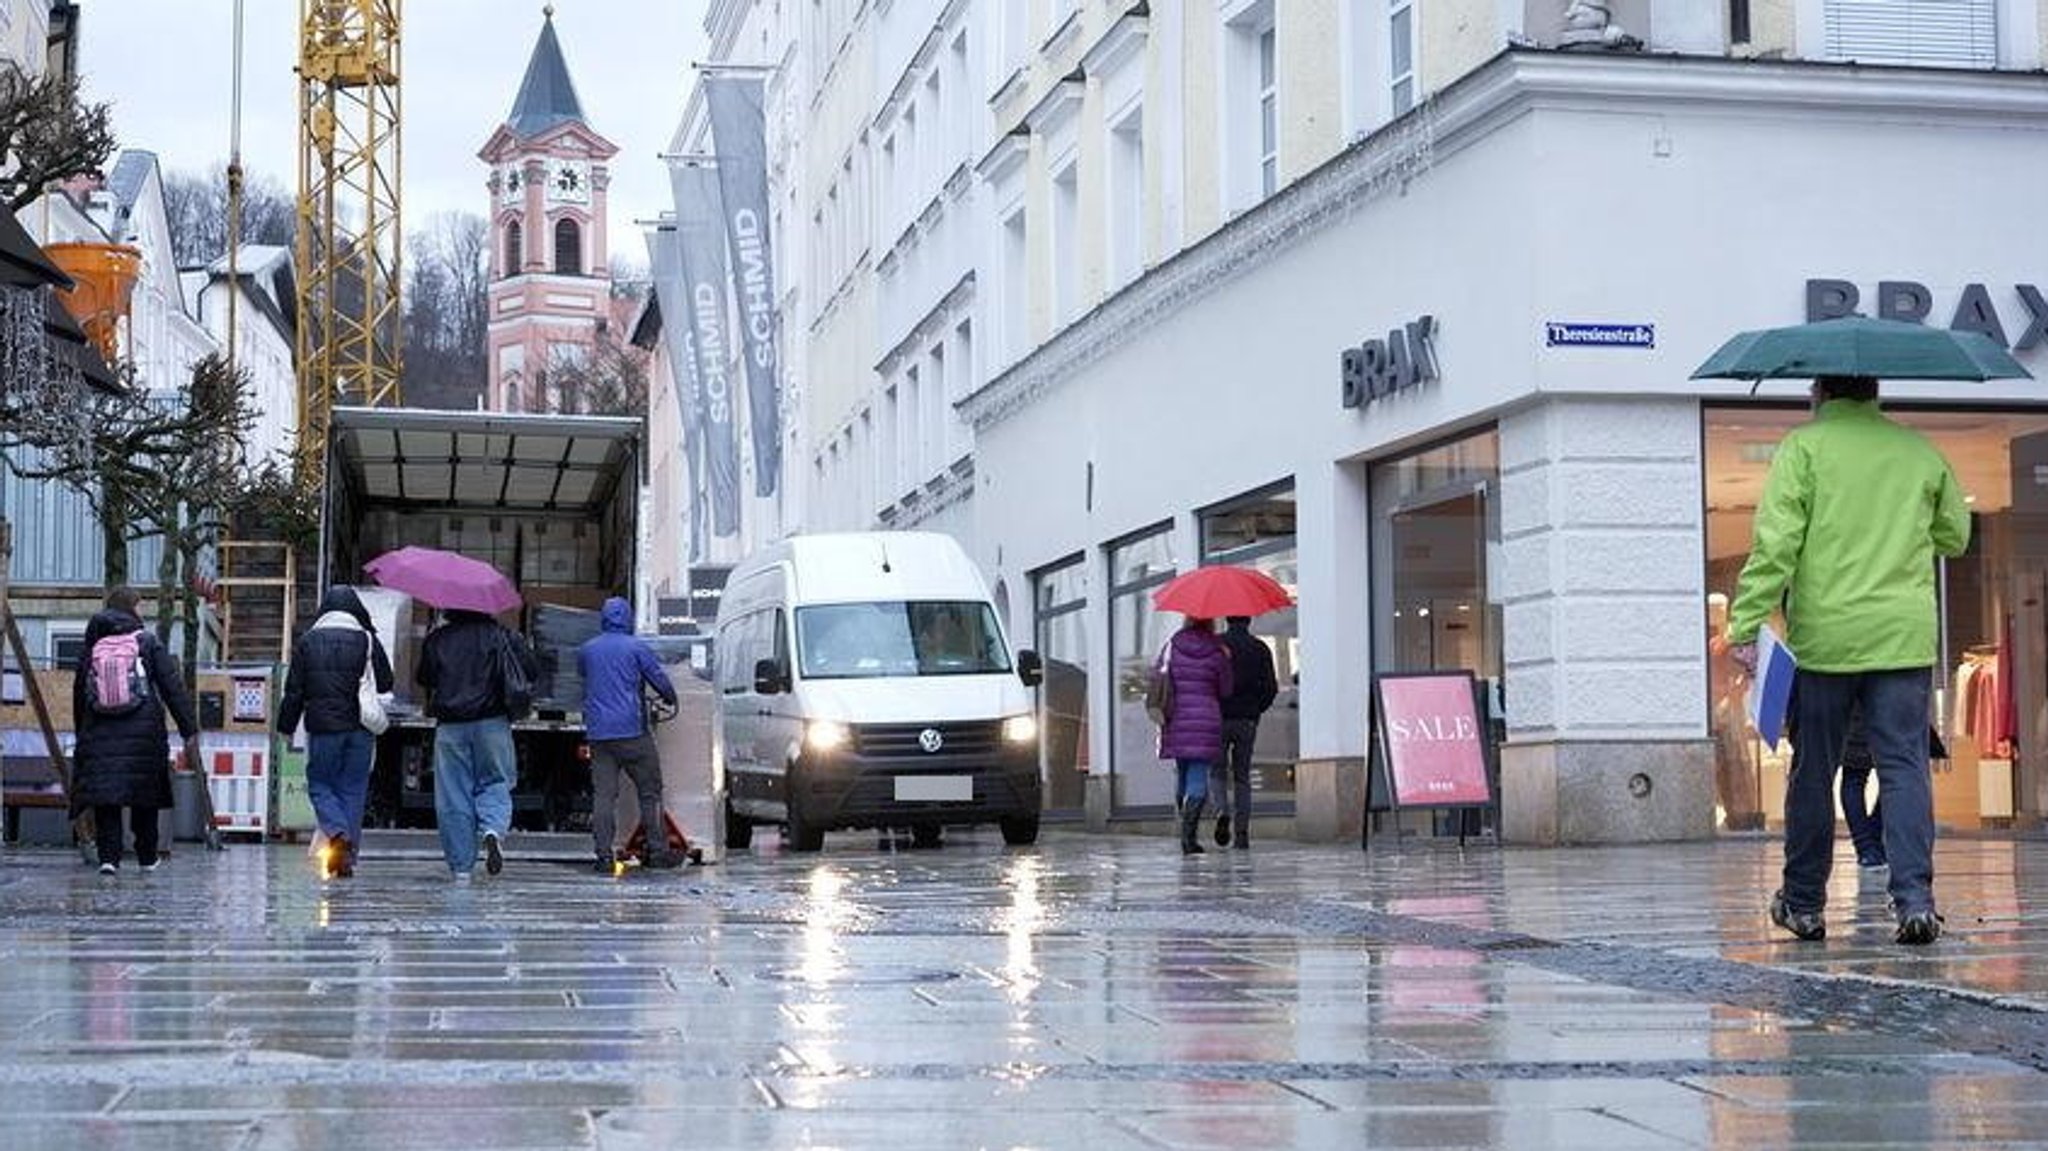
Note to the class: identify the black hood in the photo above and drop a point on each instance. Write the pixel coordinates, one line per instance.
(341, 597)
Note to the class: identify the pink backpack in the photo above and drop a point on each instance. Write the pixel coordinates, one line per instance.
(116, 680)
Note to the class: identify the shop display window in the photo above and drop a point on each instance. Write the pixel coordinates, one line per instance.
(1060, 625)
(1990, 691)
(1138, 565)
(1257, 531)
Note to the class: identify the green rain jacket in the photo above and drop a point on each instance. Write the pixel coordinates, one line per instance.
(1854, 511)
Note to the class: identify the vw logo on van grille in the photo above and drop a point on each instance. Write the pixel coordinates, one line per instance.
(930, 740)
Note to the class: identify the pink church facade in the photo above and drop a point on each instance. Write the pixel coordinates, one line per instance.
(550, 277)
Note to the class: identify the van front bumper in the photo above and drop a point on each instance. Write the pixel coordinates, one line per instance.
(845, 788)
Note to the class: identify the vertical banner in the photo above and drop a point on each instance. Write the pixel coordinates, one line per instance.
(665, 261)
(739, 133)
(702, 245)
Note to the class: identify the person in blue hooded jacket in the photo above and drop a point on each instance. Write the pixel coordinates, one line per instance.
(614, 666)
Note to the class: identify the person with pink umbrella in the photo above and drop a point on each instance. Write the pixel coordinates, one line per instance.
(478, 677)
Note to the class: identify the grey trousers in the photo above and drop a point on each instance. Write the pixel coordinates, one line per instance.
(641, 763)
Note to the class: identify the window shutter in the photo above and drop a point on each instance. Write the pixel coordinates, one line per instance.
(1948, 33)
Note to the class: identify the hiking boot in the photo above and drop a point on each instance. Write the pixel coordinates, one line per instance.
(1806, 925)
(1919, 928)
(1223, 830)
(494, 856)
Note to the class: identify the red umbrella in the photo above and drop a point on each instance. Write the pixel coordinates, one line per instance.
(1218, 592)
(445, 580)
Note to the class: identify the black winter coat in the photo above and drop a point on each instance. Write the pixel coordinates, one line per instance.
(1251, 665)
(459, 668)
(327, 667)
(125, 760)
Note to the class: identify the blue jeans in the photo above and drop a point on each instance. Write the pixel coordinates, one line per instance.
(1894, 707)
(473, 766)
(1191, 783)
(338, 781)
(1866, 819)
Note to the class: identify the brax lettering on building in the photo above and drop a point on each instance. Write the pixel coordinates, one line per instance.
(1913, 303)
(1405, 359)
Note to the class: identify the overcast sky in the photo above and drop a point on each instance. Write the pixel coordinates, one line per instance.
(165, 66)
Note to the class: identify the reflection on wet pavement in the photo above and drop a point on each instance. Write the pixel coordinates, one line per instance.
(1096, 992)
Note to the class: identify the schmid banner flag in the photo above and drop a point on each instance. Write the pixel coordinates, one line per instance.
(739, 133)
(703, 251)
(665, 259)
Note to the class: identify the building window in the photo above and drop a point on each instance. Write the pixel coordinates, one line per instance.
(515, 248)
(66, 645)
(1127, 198)
(1251, 148)
(568, 248)
(1256, 531)
(1138, 565)
(1943, 33)
(1401, 53)
(1269, 117)
(1066, 241)
(1060, 633)
(1016, 298)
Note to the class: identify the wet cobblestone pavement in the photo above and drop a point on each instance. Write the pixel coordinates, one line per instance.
(1093, 992)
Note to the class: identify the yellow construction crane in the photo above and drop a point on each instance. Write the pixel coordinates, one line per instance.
(349, 239)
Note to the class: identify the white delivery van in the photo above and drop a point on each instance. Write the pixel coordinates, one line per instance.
(864, 681)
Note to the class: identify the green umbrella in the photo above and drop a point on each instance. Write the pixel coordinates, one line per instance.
(1860, 346)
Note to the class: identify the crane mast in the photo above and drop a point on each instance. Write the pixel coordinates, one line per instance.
(349, 236)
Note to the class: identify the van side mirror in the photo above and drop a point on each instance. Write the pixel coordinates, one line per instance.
(769, 678)
(1030, 668)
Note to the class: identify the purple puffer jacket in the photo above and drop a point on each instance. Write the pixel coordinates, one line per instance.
(1200, 670)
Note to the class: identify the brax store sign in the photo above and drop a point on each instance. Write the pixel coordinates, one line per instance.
(1913, 303)
(1405, 359)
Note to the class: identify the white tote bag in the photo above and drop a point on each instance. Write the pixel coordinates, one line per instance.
(368, 703)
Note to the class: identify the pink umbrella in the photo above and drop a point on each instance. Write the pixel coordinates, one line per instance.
(1217, 592)
(445, 580)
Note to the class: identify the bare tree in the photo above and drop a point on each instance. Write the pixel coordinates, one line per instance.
(610, 379)
(446, 312)
(47, 134)
(197, 207)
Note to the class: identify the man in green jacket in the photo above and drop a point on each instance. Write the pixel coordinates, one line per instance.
(1854, 511)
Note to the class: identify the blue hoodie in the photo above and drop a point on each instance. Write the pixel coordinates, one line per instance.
(614, 665)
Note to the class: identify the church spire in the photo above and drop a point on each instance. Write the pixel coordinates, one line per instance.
(547, 97)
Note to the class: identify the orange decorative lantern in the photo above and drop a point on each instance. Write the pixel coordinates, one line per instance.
(105, 275)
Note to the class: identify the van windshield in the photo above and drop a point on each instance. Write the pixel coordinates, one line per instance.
(920, 637)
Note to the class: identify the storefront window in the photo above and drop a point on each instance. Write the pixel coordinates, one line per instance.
(1137, 566)
(1060, 596)
(1991, 681)
(1257, 532)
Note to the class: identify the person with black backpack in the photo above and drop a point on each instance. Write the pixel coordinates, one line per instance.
(479, 678)
(125, 681)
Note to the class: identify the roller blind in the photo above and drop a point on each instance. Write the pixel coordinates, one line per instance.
(1948, 33)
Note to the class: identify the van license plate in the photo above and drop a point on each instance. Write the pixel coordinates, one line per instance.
(935, 788)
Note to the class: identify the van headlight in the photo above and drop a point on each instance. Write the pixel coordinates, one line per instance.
(1020, 729)
(825, 735)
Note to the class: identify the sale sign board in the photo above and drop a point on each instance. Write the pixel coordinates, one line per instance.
(1432, 740)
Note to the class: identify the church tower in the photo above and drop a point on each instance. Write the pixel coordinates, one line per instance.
(550, 274)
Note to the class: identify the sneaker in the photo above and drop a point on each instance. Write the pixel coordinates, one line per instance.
(1806, 925)
(462, 878)
(494, 857)
(1241, 841)
(1918, 928)
(1872, 863)
(662, 860)
(151, 866)
(1223, 831)
(109, 869)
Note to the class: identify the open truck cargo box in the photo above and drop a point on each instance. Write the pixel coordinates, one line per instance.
(550, 500)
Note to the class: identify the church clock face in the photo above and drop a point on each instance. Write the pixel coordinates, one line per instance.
(569, 182)
(512, 185)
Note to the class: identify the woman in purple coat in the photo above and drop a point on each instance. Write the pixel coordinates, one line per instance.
(1197, 664)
